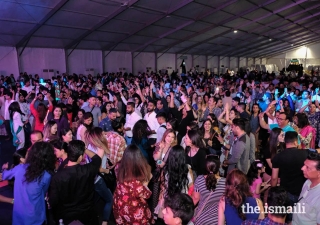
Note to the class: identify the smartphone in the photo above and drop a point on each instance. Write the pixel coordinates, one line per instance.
(217, 88)
(285, 89)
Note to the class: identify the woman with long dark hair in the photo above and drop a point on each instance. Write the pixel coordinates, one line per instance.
(195, 152)
(254, 178)
(40, 113)
(208, 189)
(237, 194)
(254, 123)
(77, 120)
(85, 124)
(175, 178)
(31, 184)
(59, 118)
(140, 133)
(133, 176)
(209, 134)
(275, 145)
(16, 125)
(172, 124)
(61, 152)
(66, 135)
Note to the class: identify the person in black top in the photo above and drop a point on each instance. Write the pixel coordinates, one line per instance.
(61, 152)
(275, 145)
(71, 192)
(195, 152)
(184, 115)
(241, 107)
(287, 165)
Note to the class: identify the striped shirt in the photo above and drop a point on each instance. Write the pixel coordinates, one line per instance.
(209, 214)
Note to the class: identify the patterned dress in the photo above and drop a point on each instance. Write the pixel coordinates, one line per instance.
(314, 120)
(130, 206)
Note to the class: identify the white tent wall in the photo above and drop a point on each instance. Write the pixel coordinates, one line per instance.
(243, 62)
(263, 61)
(250, 62)
(213, 63)
(143, 60)
(188, 61)
(201, 61)
(34, 60)
(81, 60)
(224, 61)
(166, 60)
(116, 60)
(234, 64)
(8, 61)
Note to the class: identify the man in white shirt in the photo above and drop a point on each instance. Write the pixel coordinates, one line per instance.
(28, 88)
(131, 118)
(161, 118)
(151, 119)
(309, 197)
(9, 99)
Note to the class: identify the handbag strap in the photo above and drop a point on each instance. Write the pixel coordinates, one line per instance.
(204, 204)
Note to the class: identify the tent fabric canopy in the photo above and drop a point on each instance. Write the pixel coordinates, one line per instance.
(239, 28)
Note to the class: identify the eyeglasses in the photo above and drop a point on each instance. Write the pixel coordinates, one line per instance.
(278, 118)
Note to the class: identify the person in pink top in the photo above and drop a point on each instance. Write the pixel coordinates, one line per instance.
(254, 178)
(40, 113)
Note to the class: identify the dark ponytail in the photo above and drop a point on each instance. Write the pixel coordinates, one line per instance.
(212, 167)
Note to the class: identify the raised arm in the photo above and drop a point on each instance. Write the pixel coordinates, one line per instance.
(50, 101)
(227, 115)
(263, 123)
(171, 105)
(138, 91)
(302, 109)
(290, 102)
(220, 118)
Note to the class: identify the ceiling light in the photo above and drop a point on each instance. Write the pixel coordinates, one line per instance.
(235, 31)
(291, 44)
(168, 16)
(270, 39)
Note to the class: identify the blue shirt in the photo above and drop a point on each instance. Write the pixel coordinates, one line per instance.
(105, 124)
(265, 221)
(231, 213)
(29, 204)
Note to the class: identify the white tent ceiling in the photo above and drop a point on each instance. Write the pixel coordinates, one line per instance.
(200, 27)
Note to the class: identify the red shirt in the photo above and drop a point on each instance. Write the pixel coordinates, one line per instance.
(38, 124)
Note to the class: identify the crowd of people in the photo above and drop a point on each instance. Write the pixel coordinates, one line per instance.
(159, 148)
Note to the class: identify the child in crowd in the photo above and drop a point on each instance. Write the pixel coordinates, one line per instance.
(254, 178)
(178, 210)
